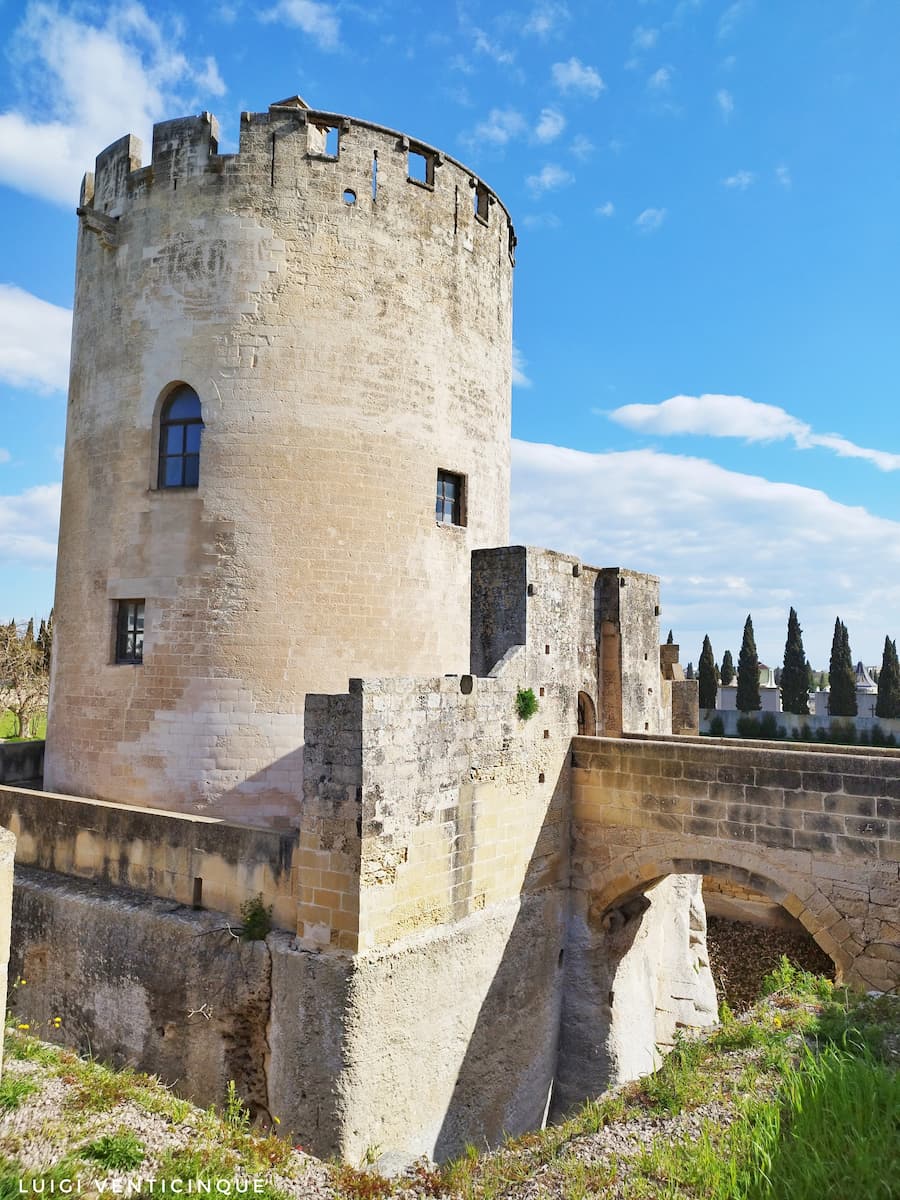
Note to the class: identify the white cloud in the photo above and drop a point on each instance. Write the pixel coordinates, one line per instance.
(725, 101)
(783, 175)
(650, 219)
(484, 45)
(574, 76)
(519, 377)
(34, 341)
(501, 126)
(546, 19)
(29, 523)
(720, 541)
(582, 147)
(738, 417)
(310, 17)
(740, 180)
(91, 83)
(644, 39)
(209, 78)
(5, 456)
(605, 210)
(731, 17)
(660, 80)
(550, 125)
(549, 178)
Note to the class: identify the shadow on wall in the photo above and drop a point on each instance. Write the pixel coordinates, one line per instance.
(22, 763)
(504, 1082)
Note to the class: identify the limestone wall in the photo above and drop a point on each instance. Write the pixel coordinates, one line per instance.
(343, 352)
(196, 861)
(817, 832)
(635, 976)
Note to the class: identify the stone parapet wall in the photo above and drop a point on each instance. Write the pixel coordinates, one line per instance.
(193, 860)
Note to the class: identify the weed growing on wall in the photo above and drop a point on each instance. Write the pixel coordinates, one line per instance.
(256, 919)
(526, 703)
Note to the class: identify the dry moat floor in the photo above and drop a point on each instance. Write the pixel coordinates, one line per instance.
(796, 1098)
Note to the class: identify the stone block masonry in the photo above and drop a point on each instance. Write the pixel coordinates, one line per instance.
(347, 330)
(818, 832)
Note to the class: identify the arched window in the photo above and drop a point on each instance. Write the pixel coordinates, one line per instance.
(180, 427)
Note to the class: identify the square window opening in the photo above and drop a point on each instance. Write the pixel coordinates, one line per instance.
(420, 167)
(450, 499)
(130, 632)
(323, 141)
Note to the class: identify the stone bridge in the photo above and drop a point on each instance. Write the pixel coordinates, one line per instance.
(817, 831)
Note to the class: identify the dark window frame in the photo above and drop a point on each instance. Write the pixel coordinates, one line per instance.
(180, 469)
(450, 499)
(130, 632)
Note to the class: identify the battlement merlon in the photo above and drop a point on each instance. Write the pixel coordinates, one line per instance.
(273, 147)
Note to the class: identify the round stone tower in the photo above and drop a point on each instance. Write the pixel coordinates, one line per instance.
(288, 428)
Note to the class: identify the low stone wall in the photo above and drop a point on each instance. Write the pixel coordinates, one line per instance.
(21, 762)
(792, 723)
(194, 860)
(147, 983)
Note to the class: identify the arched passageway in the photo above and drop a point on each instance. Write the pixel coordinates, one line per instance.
(587, 716)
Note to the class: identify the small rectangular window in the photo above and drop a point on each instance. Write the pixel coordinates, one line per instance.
(323, 141)
(449, 508)
(420, 167)
(130, 631)
(482, 203)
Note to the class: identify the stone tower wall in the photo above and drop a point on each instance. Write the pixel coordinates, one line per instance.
(345, 347)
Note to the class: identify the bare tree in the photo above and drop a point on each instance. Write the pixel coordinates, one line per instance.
(24, 679)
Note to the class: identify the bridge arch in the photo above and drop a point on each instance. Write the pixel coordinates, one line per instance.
(627, 877)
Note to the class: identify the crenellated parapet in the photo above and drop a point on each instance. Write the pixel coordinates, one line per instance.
(294, 149)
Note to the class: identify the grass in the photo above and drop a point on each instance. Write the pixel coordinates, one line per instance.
(809, 1080)
(814, 1109)
(13, 1091)
(116, 1151)
(9, 728)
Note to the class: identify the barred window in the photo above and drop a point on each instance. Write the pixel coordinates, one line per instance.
(180, 428)
(130, 631)
(449, 508)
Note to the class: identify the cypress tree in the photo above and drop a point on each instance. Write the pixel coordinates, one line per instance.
(689, 671)
(727, 668)
(888, 703)
(748, 672)
(706, 673)
(795, 672)
(670, 640)
(841, 675)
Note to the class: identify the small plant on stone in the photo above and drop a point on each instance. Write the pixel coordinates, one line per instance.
(236, 1114)
(526, 703)
(256, 919)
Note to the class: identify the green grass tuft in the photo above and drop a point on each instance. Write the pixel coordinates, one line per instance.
(13, 1090)
(116, 1151)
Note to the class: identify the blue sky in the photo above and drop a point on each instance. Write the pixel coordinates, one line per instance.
(706, 310)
